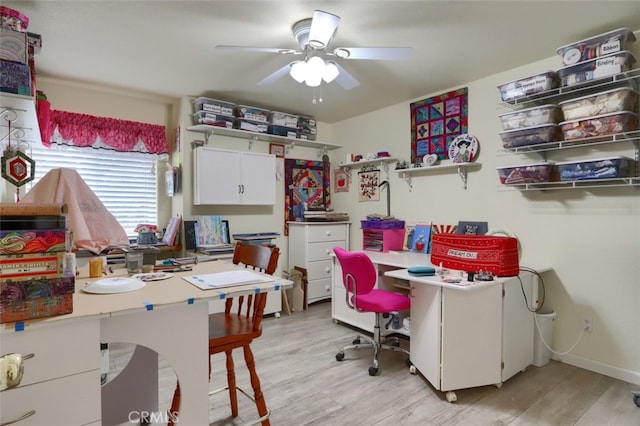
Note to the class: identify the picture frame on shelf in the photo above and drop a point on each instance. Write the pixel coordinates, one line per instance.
(276, 149)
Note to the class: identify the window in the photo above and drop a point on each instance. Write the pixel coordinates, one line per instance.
(125, 182)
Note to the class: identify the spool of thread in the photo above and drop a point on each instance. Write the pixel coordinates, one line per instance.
(69, 265)
(95, 267)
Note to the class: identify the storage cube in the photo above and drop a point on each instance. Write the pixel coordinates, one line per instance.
(15, 77)
(13, 46)
(214, 105)
(593, 47)
(615, 100)
(252, 113)
(534, 135)
(251, 125)
(536, 116)
(213, 119)
(306, 136)
(528, 173)
(382, 240)
(601, 125)
(13, 20)
(594, 69)
(529, 85)
(382, 224)
(603, 168)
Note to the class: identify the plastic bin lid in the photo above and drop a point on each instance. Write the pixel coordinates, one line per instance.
(523, 129)
(544, 163)
(547, 106)
(592, 160)
(595, 117)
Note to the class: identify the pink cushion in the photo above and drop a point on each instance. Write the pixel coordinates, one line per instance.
(380, 301)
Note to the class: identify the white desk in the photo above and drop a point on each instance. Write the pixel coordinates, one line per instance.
(62, 382)
(461, 336)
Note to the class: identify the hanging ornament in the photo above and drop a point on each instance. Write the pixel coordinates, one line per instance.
(17, 167)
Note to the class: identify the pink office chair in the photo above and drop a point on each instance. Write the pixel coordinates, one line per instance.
(359, 277)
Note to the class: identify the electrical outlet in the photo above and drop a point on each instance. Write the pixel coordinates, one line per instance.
(587, 324)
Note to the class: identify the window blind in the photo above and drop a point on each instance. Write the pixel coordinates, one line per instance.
(125, 182)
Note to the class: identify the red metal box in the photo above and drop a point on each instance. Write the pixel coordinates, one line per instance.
(472, 253)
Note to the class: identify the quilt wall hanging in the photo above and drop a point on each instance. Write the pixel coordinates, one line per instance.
(307, 187)
(436, 122)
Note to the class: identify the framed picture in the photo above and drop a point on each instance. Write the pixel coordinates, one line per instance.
(472, 228)
(368, 183)
(276, 149)
(421, 238)
(341, 181)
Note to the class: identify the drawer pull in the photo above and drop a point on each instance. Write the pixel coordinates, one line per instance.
(12, 369)
(327, 270)
(19, 419)
(328, 233)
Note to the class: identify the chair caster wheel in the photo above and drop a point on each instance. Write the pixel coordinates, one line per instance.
(451, 396)
(356, 341)
(339, 356)
(373, 371)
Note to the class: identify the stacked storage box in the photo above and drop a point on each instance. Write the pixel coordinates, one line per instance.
(252, 119)
(596, 57)
(17, 49)
(33, 280)
(307, 127)
(213, 112)
(382, 235)
(283, 124)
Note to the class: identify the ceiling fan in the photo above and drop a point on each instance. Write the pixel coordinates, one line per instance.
(319, 64)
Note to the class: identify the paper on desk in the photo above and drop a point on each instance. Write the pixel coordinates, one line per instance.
(227, 279)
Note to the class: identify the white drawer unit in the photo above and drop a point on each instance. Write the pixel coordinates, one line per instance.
(64, 367)
(311, 246)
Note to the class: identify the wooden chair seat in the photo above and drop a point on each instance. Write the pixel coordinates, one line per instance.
(235, 328)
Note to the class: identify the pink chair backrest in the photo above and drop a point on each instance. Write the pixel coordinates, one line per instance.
(356, 266)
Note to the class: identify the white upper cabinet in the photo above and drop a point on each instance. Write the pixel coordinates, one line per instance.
(232, 177)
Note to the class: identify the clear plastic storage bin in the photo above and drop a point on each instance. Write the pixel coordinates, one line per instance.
(601, 125)
(602, 168)
(529, 85)
(593, 47)
(527, 173)
(594, 69)
(534, 135)
(536, 116)
(615, 100)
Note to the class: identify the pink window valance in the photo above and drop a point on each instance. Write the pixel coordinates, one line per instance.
(82, 130)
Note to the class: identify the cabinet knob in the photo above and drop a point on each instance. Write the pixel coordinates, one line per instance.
(327, 251)
(327, 270)
(12, 369)
(328, 233)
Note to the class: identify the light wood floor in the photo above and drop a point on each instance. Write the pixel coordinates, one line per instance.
(304, 385)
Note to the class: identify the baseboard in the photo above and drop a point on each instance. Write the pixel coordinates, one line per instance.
(629, 376)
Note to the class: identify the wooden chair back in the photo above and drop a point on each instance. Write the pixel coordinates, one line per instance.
(262, 258)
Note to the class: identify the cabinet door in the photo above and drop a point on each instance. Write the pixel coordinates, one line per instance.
(425, 330)
(258, 182)
(216, 176)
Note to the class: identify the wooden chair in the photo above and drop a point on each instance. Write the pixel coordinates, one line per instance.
(235, 328)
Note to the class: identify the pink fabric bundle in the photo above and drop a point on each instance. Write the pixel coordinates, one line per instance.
(94, 227)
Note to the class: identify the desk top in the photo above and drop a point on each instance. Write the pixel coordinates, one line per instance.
(156, 294)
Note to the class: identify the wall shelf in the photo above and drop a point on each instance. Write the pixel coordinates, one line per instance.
(20, 112)
(382, 162)
(262, 137)
(630, 79)
(460, 167)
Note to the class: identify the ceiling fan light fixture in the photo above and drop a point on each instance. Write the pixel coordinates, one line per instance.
(316, 44)
(342, 53)
(330, 72)
(298, 71)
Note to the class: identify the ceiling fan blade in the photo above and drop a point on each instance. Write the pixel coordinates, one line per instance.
(346, 80)
(257, 49)
(376, 53)
(276, 75)
(323, 26)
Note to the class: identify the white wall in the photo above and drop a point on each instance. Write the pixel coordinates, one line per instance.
(591, 238)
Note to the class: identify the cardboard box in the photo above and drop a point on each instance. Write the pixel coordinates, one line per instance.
(35, 298)
(20, 267)
(32, 241)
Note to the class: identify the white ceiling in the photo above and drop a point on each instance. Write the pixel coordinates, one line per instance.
(167, 47)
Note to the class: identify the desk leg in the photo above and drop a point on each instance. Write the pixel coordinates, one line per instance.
(179, 333)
